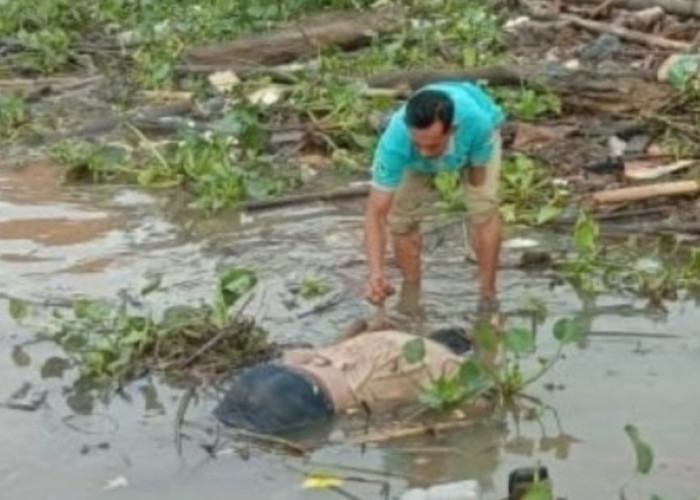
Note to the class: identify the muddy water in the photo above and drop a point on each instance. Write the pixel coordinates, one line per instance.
(58, 243)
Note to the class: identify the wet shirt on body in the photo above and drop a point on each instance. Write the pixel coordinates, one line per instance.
(476, 116)
(371, 368)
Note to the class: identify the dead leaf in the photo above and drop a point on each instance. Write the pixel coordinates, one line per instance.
(649, 169)
(321, 481)
(224, 81)
(531, 137)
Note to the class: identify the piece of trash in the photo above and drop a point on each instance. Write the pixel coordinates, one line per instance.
(647, 170)
(600, 49)
(458, 490)
(648, 265)
(321, 481)
(224, 81)
(572, 64)
(267, 96)
(526, 482)
(616, 146)
(609, 165)
(26, 399)
(307, 173)
(117, 482)
(517, 243)
(677, 69)
(513, 24)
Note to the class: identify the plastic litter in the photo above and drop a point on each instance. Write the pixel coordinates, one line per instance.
(679, 69)
(460, 490)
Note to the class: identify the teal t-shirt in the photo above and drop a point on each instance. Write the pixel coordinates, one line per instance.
(476, 116)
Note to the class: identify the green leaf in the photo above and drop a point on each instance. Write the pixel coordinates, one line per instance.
(18, 309)
(541, 490)
(548, 213)
(585, 234)
(644, 453)
(569, 330)
(486, 336)
(519, 340)
(414, 350)
(470, 374)
(20, 357)
(234, 282)
(91, 309)
(152, 285)
(179, 314)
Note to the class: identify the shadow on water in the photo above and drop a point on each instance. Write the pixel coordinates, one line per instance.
(86, 442)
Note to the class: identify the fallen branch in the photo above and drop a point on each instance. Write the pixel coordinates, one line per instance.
(346, 29)
(238, 326)
(636, 335)
(380, 435)
(180, 417)
(677, 7)
(290, 446)
(645, 192)
(298, 199)
(627, 34)
(597, 92)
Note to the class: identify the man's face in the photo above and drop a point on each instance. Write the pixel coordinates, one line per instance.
(431, 141)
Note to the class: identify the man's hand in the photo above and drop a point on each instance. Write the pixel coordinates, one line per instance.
(378, 289)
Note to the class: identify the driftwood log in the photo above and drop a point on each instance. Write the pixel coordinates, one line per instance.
(677, 7)
(675, 188)
(582, 90)
(626, 34)
(348, 30)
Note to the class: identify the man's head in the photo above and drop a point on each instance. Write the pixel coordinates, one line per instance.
(455, 339)
(429, 116)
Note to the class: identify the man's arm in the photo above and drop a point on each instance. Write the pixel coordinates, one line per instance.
(378, 206)
(485, 222)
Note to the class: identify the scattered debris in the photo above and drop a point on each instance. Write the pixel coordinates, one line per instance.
(117, 482)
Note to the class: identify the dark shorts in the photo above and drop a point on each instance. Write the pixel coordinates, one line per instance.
(273, 399)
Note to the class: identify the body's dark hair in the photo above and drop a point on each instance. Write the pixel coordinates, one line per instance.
(455, 339)
(427, 106)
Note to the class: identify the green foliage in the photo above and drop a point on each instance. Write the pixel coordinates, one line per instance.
(87, 161)
(313, 286)
(519, 340)
(644, 457)
(450, 192)
(486, 372)
(529, 196)
(642, 451)
(414, 350)
(157, 31)
(13, 113)
(109, 341)
(45, 50)
(654, 270)
(18, 309)
(529, 104)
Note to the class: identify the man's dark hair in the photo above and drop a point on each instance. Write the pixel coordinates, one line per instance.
(455, 339)
(427, 106)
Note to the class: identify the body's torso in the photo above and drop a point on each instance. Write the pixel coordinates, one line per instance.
(372, 369)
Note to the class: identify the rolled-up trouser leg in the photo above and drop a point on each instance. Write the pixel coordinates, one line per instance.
(483, 201)
(407, 210)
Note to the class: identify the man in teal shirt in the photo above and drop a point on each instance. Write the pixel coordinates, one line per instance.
(452, 126)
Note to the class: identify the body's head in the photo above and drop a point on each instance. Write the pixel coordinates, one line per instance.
(272, 399)
(430, 117)
(454, 338)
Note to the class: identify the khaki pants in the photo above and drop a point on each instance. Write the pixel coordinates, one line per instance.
(412, 198)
